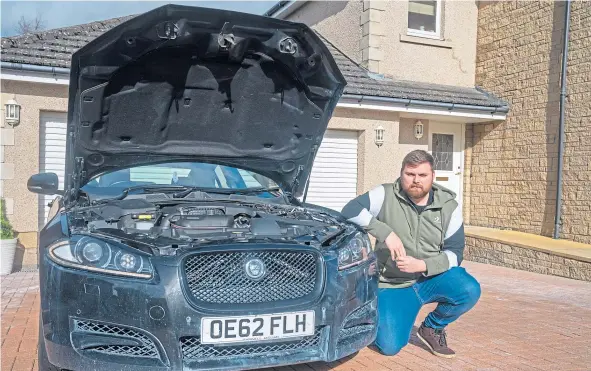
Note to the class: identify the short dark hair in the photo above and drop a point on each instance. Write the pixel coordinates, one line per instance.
(417, 157)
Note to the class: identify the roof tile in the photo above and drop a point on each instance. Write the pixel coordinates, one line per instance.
(54, 48)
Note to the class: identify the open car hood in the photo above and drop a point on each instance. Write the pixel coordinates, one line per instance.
(185, 83)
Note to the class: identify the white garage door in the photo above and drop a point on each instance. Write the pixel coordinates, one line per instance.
(333, 181)
(52, 154)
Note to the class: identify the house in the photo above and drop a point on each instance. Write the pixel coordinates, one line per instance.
(522, 209)
(410, 69)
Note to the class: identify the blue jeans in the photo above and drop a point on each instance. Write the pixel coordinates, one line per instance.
(455, 290)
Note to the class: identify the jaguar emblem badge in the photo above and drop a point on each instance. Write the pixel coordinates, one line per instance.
(255, 269)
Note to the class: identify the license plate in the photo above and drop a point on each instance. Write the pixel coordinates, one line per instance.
(217, 330)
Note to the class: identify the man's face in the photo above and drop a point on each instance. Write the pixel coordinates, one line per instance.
(417, 180)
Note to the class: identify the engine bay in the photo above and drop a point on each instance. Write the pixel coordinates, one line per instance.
(163, 226)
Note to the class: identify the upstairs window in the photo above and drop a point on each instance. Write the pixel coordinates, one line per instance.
(424, 18)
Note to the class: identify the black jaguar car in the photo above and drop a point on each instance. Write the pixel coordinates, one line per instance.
(179, 240)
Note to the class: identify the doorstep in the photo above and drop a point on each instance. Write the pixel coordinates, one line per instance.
(528, 252)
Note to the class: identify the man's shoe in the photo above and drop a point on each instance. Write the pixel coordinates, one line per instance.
(435, 340)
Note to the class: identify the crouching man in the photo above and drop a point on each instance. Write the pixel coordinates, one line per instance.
(419, 235)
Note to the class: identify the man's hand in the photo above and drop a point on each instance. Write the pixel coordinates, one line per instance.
(395, 246)
(408, 264)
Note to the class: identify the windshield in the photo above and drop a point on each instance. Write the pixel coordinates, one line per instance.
(188, 174)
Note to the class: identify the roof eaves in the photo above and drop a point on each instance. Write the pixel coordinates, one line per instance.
(284, 8)
(492, 96)
(275, 8)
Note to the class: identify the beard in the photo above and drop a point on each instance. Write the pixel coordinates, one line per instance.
(416, 191)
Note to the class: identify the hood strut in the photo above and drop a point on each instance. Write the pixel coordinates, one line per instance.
(77, 176)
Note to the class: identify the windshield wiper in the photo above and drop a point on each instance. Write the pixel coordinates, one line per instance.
(146, 187)
(256, 190)
(227, 191)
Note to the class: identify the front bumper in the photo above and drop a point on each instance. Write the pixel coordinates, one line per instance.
(93, 321)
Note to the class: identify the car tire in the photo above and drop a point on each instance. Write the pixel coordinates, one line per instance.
(42, 361)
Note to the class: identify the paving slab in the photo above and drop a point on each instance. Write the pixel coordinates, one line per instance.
(523, 321)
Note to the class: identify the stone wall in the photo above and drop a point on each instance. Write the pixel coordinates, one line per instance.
(467, 194)
(496, 253)
(576, 210)
(513, 169)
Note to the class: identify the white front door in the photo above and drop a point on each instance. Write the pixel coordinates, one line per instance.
(446, 145)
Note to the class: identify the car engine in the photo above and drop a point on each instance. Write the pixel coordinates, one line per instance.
(190, 223)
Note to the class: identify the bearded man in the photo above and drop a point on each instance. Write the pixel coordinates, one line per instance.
(420, 241)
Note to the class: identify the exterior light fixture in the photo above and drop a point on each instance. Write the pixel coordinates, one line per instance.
(418, 129)
(12, 112)
(379, 136)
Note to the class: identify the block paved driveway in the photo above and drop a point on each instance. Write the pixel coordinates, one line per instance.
(524, 321)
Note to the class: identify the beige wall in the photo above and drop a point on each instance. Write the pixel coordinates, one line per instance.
(449, 61)
(375, 164)
(514, 163)
(374, 33)
(338, 21)
(23, 155)
(378, 165)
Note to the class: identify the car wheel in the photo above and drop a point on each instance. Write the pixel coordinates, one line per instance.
(42, 360)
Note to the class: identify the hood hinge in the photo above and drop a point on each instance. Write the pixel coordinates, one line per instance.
(225, 37)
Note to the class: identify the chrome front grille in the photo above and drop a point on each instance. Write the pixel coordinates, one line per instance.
(192, 349)
(146, 349)
(220, 277)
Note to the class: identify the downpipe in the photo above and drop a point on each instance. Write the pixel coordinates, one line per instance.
(561, 123)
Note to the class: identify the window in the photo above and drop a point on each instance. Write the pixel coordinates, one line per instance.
(424, 18)
(443, 145)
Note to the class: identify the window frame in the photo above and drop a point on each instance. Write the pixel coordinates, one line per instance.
(427, 34)
(450, 153)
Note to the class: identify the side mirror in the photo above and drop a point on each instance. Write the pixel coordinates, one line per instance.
(44, 183)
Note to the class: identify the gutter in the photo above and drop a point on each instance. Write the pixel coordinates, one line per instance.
(425, 103)
(35, 68)
(563, 95)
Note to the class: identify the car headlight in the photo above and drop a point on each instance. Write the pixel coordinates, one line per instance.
(100, 256)
(355, 251)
